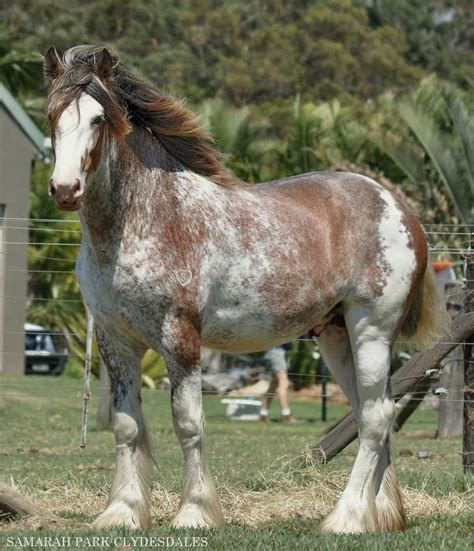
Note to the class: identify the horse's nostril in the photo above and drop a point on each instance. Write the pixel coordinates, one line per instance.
(52, 188)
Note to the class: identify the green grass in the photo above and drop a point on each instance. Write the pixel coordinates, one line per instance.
(40, 421)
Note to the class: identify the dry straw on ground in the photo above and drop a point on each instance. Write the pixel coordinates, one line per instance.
(285, 495)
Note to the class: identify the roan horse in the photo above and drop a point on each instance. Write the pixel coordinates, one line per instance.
(176, 253)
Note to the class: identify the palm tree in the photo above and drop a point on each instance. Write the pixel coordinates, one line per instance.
(20, 71)
(321, 136)
(241, 136)
(442, 155)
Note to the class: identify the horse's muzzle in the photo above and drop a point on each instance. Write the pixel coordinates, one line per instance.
(67, 196)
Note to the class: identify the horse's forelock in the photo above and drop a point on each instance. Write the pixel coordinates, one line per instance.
(115, 111)
(78, 80)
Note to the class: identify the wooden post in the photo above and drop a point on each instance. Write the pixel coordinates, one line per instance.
(12, 503)
(419, 392)
(451, 404)
(403, 381)
(468, 430)
(450, 418)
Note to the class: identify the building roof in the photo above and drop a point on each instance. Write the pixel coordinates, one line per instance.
(29, 128)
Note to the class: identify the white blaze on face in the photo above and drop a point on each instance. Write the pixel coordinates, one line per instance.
(75, 132)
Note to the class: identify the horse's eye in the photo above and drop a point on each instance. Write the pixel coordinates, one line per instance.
(97, 120)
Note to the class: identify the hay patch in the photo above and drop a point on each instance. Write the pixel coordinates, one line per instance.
(283, 497)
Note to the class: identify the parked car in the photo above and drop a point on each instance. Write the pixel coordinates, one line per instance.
(46, 351)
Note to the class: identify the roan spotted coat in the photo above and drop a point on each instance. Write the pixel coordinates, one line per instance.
(176, 254)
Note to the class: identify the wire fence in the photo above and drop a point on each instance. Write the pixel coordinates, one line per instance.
(26, 224)
(248, 394)
(104, 449)
(436, 233)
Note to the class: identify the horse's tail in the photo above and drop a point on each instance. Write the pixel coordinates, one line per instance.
(427, 320)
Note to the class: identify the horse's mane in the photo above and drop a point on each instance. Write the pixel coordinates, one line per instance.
(129, 100)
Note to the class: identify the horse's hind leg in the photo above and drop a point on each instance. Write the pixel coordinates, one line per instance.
(199, 507)
(388, 500)
(336, 349)
(356, 511)
(129, 496)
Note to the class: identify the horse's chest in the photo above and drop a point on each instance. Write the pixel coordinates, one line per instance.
(102, 296)
(123, 294)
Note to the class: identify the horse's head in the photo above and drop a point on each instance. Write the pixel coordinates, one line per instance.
(84, 114)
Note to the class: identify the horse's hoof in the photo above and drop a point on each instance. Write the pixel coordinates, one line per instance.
(193, 516)
(338, 523)
(389, 504)
(120, 514)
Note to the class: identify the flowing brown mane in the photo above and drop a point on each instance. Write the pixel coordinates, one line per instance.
(129, 101)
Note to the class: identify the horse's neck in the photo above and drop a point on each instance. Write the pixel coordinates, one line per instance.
(104, 202)
(135, 192)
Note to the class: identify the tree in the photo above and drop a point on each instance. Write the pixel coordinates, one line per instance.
(321, 136)
(439, 34)
(241, 136)
(19, 70)
(243, 52)
(442, 154)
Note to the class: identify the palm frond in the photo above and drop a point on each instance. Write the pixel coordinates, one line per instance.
(443, 151)
(464, 124)
(408, 159)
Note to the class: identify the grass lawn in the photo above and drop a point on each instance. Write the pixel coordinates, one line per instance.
(269, 501)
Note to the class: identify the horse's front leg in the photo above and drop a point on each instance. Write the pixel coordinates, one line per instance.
(199, 507)
(129, 497)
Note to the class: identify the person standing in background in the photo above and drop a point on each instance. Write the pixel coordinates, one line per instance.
(276, 361)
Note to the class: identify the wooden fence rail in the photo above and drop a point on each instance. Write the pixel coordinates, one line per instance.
(411, 375)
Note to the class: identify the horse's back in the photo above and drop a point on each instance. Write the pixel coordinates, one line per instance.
(355, 218)
(330, 193)
(375, 246)
(351, 206)
(317, 240)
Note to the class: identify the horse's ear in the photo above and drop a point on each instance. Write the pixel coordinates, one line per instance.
(104, 65)
(52, 66)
